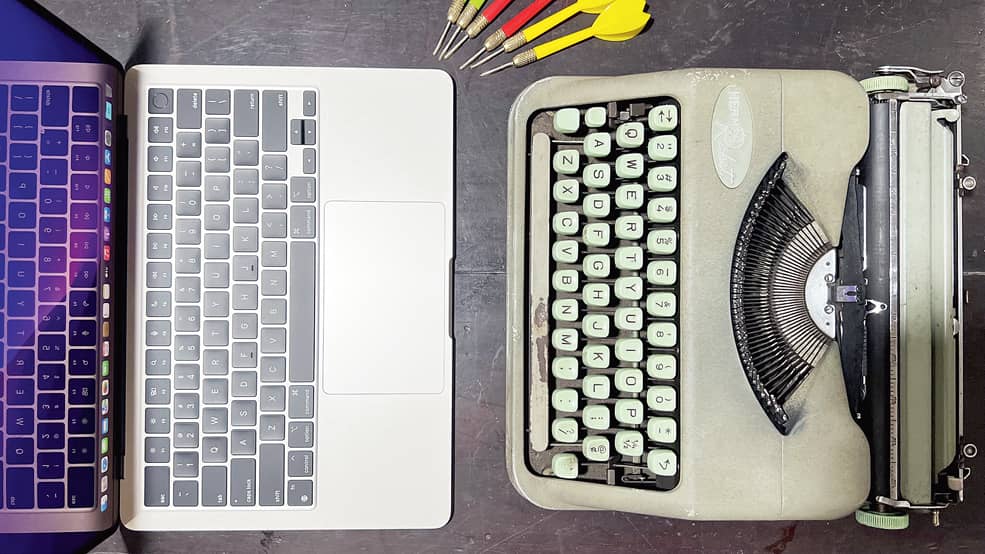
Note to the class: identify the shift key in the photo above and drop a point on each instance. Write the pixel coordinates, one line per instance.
(275, 121)
(271, 474)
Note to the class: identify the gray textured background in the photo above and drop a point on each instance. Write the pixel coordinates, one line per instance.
(489, 515)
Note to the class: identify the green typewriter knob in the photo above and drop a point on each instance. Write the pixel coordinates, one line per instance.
(890, 521)
(885, 83)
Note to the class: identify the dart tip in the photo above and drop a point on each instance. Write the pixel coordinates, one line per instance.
(442, 39)
(450, 42)
(456, 47)
(497, 69)
(472, 59)
(495, 53)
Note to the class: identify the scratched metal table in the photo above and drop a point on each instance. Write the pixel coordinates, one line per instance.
(489, 515)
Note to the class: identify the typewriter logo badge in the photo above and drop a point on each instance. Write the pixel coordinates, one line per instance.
(731, 136)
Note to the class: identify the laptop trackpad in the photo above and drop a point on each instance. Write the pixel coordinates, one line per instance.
(384, 289)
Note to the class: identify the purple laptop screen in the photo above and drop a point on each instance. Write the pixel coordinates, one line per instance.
(58, 221)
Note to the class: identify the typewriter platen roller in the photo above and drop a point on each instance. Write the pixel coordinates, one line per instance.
(817, 356)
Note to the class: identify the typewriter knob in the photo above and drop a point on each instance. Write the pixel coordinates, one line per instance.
(890, 521)
(885, 83)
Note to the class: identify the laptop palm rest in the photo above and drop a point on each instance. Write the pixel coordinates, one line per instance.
(384, 296)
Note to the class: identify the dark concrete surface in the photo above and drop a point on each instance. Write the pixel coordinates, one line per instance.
(489, 515)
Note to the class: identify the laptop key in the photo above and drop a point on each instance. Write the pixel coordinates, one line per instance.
(216, 333)
(217, 219)
(301, 402)
(186, 435)
(273, 340)
(274, 196)
(242, 482)
(157, 421)
(157, 486)
(157, 450)
(244, 356)
(300, 463)
(216, 188)
(217, 102)
(160, 159)
(244, 383)
(185, 464)
(302, 222)
(157, 392)
(300, 434)
(217, 159)
(215, 362)
(216, 303)
(157, 362)
(244, 413)
(309, 161)
(275, 121)
(214, 450)
(186, 376)
(309, 103)
(244, 442)
(302, 189)
(301, 347)
(274, 167)
(160, 129)
(272, 428)
(189, 108)
(160, 100)
(215, 420)
(217, 130)
(273, 369)
(274, 225)
(271, 490)
(186, 406)
(273, 311)
(245, 239)
(81, 487)
(300, 493)
(214, 486)
(246, 113)
(246, 153)
(272, 398)
(186, 493)
(189, 144)
(215, 391)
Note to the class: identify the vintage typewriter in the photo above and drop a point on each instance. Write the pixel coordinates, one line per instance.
(737, 294)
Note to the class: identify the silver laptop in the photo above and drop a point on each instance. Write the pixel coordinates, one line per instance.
(241, 314)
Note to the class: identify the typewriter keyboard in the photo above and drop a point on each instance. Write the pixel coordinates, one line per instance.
(603, 243)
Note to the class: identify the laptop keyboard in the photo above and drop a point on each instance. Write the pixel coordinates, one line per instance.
(50, 215)
(231, 260)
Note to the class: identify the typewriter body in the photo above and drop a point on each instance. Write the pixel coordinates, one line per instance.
(733, 294)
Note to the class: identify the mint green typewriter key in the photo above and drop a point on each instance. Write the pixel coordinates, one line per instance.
(566, 162)
(565, 400)
(596, 117)
(595, 326)
(630, 135)
(629, 411)
(597, 176)
(662, 429)
(661, 272)
(629, 319)
(566, 191)
(661, 366)
(567, 121)
(596, 356)
(565, 280)
(661, 334)
(629, 288)
(628, 380)
(595, 416)
(597, 205)
(565, 309)
(629, 166)
(564, 367)
(596, 234)
(629, 443)
(662, 242)
(662, 148)
(629, 196)
(629, 350)
(662, 118)
(596, 294)
(629, 258)
(565, 340)
(662, 210)
(629, 227)
(596, 448)
(565, 251)
(565, 429)
(565, 465)
(598, 145)
(661, 398)
(565, 223)
(662, 462)
(597, 266)
(596, 387)
(661, 304)
(662, 178)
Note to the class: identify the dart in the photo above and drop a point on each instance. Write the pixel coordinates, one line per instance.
(464, 19)
(480, 23)
(454, 10)
(509, 29)
(621, 21)
(544, 25)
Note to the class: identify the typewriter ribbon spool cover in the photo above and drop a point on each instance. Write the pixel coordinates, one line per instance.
(808, 459)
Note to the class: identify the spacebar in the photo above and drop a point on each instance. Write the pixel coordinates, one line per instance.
(301, 310)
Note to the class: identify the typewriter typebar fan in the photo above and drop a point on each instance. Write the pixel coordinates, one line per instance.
(778, 246)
